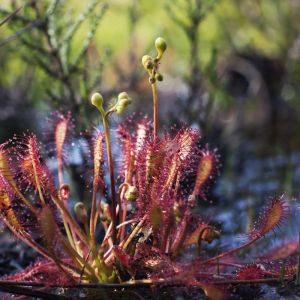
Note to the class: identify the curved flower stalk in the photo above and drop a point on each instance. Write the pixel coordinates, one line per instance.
(143, 226)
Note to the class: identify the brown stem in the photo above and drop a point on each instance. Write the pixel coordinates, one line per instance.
(230, 251)
(250, 281)
(135, 283)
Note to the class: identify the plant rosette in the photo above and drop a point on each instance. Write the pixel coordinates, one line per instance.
(139, 221)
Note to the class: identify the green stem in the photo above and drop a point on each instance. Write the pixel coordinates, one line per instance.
(93, 217)
(60, 171)
(78, 259)
(68, 217)
(134, 232)
(66, 225)
(68, 232)
(122, 212)
(155, 110)
(112, 177)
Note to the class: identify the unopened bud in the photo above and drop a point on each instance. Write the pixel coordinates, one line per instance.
(80, 212)
(161, 46)
(131, 193)
(147, 62)
(123, 95)
(123, 101)
(97, 100)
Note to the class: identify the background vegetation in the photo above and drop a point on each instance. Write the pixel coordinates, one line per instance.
(232, 69)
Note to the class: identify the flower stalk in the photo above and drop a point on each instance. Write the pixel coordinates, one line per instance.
(152, 66)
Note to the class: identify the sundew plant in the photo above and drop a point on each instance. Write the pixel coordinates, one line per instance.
(139, 222)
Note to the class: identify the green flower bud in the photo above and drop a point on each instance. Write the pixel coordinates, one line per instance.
(147, 62)
(80, 212)
(159, 77)
(122, 104)
(131, 193)
(123, 101)
(97, 100)
(161, 46)
(123, 95)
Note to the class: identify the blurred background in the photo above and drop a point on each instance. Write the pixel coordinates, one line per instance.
(232, 69)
